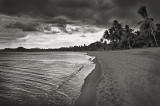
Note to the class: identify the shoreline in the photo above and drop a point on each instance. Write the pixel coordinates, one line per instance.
(87, 96)
(122, 78)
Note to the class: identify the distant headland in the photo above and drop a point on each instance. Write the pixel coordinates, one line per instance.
(92, 47)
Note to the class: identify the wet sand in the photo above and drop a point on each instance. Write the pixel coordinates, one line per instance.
(123, 78)
(88, 91)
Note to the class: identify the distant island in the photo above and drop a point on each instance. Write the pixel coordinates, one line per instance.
(92, 47)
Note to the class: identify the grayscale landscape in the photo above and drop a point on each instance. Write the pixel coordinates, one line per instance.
(79, 53)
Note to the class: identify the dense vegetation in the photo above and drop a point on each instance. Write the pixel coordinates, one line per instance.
(148, 34)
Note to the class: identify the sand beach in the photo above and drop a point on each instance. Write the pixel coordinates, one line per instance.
(123, 78)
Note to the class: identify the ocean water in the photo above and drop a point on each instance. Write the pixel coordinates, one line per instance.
(42, 78)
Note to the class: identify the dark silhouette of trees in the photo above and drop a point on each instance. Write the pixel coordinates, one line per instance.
(147, 27)
(158, 33)
(119, 37)
(126, 38)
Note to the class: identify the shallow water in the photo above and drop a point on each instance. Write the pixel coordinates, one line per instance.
(45, 78)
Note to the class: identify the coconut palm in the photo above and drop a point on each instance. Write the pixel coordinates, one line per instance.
(128, 33)
(117, 31)
(147, 27)
(112, 35)
(158, 32)
(106, 35)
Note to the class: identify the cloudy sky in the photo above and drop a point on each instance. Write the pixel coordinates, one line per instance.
(59, 23)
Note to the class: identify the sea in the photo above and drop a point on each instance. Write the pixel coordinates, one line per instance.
(42, 78)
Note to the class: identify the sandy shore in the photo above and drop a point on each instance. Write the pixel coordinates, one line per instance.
(88, 91)
(123, 78)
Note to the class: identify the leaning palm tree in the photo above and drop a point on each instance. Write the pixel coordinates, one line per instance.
(147, 26)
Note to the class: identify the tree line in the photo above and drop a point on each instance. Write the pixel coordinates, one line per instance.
(119, 37)
(125, 37)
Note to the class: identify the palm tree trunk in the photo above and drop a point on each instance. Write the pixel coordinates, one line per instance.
(154, 35)
(155, 39)
(129, 45)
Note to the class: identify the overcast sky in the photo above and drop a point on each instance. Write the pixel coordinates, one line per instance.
(57, 23)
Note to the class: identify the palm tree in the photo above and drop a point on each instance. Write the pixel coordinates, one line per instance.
(117, 31)
(147, 27)
(128, 35)
(158, 32)
(158, 27)
(106, 35)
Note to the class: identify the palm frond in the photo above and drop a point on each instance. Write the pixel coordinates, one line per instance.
(140, 22)
(143, 11)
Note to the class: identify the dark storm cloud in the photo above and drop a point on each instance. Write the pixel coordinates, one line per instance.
(23, 26)
(18, 18)
(154, 8)
(125, 3)
(74, 4)
(19, 6)
(101, 12)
